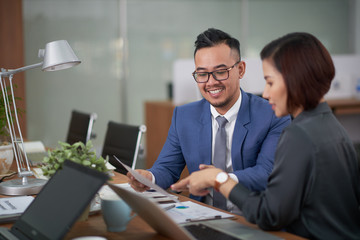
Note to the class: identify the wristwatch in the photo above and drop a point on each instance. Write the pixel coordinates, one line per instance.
(221, 178)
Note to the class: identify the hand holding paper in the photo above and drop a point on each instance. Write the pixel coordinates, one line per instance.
(135, 184)
(145, 181)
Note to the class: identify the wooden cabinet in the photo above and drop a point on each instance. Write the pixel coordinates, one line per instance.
(158, 116)
(344, 106)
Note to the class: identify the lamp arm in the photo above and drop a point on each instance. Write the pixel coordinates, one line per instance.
(7, 73)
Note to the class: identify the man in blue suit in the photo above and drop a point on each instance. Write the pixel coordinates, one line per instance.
(252, 129)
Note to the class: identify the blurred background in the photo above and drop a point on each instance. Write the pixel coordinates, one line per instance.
(128, 49)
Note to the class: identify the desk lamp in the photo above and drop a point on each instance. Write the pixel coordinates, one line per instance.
(57, 55)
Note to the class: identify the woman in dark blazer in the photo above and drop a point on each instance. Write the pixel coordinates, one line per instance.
(314, 188)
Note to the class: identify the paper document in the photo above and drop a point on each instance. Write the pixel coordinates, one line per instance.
(146, 182)
(13, 206)
(33, 146)
(192, 212)
(156, 197)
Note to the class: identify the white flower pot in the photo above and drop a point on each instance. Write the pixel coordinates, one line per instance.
(6, 158)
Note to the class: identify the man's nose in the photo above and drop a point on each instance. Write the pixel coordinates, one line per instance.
(212, 80)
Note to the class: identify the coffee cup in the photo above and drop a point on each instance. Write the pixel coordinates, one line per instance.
(116, 213)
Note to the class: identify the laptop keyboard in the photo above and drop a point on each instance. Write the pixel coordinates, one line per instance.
(203, 232)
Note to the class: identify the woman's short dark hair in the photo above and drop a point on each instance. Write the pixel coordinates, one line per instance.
(213, 37)
(306, 66)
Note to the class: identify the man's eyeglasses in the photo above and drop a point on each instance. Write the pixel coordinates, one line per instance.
(219, 75)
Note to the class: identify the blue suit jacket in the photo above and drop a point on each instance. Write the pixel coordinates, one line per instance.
(189, 142)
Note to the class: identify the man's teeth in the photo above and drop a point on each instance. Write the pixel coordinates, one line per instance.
(215, 91)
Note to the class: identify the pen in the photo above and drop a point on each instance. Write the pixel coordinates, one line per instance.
(169, 207)
(203, 218)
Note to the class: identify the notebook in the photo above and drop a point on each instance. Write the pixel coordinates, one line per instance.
(11, 208)
(58, 205)
(157, 218)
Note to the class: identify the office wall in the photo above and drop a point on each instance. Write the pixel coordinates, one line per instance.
(127, 48)
(355, 5)
(328, 20)
(92, 29)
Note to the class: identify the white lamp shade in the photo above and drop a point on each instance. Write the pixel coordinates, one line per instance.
(58, 55)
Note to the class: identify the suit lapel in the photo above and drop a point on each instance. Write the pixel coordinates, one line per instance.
(240, 132)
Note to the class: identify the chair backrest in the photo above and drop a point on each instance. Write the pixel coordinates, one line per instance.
(80, 127)
(123, 141)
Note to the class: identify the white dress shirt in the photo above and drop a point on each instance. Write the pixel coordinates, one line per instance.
(231, 116)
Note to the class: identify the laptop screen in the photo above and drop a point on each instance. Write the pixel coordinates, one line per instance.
(60, 203)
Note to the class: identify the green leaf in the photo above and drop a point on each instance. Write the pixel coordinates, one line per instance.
(86, 163)
(78, 152)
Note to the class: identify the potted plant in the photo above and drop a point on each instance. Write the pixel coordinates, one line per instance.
(6, 158)
(77, 152)
(4, 132)
(6, 151)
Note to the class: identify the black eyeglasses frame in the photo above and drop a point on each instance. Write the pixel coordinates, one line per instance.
(212, 73)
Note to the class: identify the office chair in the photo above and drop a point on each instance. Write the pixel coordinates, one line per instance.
(80, 127)
(123, 141)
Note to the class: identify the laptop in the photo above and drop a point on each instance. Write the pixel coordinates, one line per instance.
(156, 217)
(58, 205)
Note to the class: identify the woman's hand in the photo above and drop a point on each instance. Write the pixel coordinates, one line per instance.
(198, 183)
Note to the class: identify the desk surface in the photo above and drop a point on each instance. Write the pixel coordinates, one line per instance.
(137, 228)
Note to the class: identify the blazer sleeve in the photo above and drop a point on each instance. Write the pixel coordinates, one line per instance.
(170, 163)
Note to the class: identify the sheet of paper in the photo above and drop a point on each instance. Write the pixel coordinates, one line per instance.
(191, 212)
(33, 146)
(146, 182)
(14, 205)
(38, 173)
(154, 196)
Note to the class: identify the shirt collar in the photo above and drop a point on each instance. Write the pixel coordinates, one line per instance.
(231, 114)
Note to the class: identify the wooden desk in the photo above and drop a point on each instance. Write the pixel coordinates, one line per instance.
(137, 229)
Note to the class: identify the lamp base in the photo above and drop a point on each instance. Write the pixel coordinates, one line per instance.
(17, 187)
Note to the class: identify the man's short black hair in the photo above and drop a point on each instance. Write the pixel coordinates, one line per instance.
(213, 37)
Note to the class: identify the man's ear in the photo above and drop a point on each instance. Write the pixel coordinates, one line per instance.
(241, 68)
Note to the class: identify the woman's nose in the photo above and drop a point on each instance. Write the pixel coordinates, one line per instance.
(265, 93)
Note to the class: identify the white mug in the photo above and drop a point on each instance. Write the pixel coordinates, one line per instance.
(116, 213)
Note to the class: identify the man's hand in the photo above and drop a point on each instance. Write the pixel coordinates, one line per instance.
(198, 182)
(135, 184)
(204, 166)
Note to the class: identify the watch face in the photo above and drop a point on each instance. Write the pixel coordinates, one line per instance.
(222, 177)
